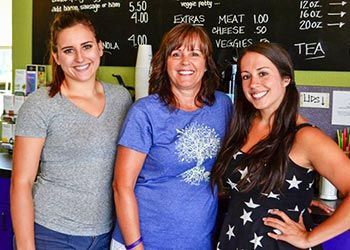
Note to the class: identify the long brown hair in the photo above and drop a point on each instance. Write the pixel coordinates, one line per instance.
(62, 21)
(267, 160)
(183, 34)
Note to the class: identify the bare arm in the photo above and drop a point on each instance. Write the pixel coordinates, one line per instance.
(333, 164)
(127, 168)
(25, 166)
(325, 156)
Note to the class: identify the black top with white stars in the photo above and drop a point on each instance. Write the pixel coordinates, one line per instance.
(243, 227)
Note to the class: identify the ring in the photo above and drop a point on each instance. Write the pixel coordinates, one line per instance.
(276, 231)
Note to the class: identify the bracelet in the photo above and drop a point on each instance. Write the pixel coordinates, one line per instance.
(134, 244)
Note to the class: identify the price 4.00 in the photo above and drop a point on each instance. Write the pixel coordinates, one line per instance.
(137, 39)
(139, 17)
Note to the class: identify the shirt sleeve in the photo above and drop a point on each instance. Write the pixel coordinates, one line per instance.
(136, 132)
(32, 119)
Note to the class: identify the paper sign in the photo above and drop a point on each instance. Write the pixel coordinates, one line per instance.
(341, 108)
(314, 100)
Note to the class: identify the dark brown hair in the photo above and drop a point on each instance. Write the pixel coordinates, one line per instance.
(62, 21)
(267, 160)
(183, 34)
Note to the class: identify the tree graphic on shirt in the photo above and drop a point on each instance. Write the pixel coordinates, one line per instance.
(196, 142)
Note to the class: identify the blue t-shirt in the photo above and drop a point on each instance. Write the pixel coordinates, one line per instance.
(177, 208)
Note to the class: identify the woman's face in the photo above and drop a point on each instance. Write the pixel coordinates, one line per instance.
(262, 83)
(186, 67)
(78, 53)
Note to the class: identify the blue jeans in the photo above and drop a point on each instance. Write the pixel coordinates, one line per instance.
(47, 239)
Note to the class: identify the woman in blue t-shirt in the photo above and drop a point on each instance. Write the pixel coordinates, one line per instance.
(167, 148)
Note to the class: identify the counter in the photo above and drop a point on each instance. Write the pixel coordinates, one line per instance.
(339, 242)
(5, 161)
(6, 231)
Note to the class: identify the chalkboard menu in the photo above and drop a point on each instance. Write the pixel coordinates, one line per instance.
(316, 33)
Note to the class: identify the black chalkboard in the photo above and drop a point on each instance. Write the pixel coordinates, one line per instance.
(316, 33)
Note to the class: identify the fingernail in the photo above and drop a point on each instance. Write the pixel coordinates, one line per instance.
(270, 210)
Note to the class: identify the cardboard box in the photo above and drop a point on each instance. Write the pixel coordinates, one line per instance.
(8, 134)
(31, 79)
(41, 76)
(8, 103)
(35, 77)
(20, 80)
(18, 101)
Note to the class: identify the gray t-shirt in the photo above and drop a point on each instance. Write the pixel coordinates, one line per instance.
(73, 190)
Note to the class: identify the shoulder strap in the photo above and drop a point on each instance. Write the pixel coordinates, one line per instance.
(300, 126)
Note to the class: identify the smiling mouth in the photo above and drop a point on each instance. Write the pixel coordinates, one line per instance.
(259, 95)
(186, 72)
(82, 67)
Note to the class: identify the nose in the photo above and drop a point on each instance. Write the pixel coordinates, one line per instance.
(185, 60)
(254, 81)
(79, 56)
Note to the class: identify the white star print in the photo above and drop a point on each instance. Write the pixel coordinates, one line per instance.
(243, 172)
(232, 184)
(296, 209)
(246, 217)
(293, 183)
(237, 154)
(272, 195)
(230, 232)
(218, 246)
(310, 184)
(251, 204)
(256, 241)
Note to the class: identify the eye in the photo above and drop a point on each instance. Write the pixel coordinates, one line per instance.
(68, 51)
(87, 46)
(196, 53)
(263, 73)
(175, 54)
(245, 77)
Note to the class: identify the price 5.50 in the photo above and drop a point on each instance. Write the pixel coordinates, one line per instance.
(138, 6)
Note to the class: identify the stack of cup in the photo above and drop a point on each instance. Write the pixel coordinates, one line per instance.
(142, 70)
(327, 190)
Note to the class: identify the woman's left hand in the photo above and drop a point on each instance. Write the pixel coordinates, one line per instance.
(290, 231)
(322, 206)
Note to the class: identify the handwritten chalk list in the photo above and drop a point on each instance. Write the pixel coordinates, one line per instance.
(316, 33)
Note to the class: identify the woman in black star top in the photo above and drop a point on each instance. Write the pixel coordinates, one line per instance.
(267, 164)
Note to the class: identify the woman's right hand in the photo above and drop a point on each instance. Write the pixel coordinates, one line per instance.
(26, 158)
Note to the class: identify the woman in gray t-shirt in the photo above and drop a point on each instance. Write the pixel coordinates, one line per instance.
(67, 133)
